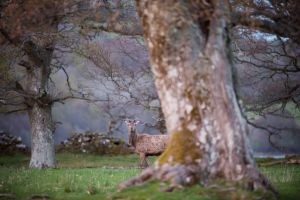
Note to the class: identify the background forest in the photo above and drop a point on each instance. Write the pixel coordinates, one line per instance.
(100, 75)
(207, 75)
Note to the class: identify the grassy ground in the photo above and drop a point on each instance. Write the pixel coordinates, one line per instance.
(81, 176)
(286, 179)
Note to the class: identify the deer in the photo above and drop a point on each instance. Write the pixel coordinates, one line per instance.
(145, 144)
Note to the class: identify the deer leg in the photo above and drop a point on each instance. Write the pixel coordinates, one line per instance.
(143, 161)
(146, 162)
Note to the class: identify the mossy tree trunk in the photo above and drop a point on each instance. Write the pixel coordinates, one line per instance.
(191, 63)
(39, 103)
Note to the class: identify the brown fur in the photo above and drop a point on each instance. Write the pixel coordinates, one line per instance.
(144, 144)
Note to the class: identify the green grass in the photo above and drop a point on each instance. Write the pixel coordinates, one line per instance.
(90, 160)
(63, 183)
(85, 177)
(285, 178)
(69, 160)
(217, 191)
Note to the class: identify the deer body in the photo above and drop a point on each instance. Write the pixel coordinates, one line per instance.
(144, 144)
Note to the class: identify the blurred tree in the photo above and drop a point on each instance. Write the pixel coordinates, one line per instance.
(191, 61)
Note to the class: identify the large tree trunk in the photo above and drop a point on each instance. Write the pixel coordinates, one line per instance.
(42, 142)
(39, 101)
(190, 60)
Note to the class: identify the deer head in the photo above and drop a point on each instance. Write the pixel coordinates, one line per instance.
(131, 124)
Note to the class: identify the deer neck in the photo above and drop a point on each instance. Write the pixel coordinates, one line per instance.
(132, 136)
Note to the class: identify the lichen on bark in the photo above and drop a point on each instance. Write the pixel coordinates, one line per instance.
(181, 149)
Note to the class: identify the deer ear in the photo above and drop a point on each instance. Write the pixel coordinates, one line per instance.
(137, 122)
(126, 121)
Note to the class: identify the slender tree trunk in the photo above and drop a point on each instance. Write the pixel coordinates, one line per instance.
(190, 60)
(42, 127)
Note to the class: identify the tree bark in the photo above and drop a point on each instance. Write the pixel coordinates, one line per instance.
(42, 142)
(39, 55)
(191, 63)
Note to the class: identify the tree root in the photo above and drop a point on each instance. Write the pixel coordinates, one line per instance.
(257, 180)
(178, 176)
(182, 175)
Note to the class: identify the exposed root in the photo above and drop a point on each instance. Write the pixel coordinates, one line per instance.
(258, 180)
(183, 175)
(143, 177)
(178, 176)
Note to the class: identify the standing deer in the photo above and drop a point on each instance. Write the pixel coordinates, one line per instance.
(144, 144)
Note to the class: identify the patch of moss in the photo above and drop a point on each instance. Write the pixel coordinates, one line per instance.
(181, 149)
